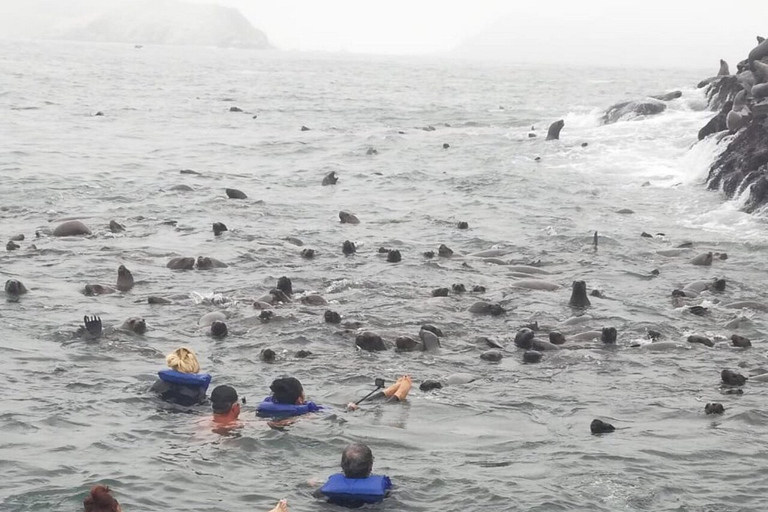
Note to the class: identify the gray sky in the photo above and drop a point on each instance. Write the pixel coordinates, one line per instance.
(611, 32)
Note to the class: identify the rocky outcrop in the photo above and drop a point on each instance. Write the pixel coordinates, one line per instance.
(742, 166)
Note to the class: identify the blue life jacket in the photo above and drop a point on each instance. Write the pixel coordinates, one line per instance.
(368, 490)
(269, 408)
(194, 380)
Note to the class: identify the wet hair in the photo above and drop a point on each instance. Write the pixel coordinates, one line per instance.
(286, 390)
(223, 398)
(357, 461)
(183, 360)
(100, 500)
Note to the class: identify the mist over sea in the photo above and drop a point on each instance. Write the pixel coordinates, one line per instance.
(74, 413)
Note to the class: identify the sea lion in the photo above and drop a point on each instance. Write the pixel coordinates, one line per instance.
(348, 248)
(308, 254)
(735, 121)
(731, 378)
(97, 289)
(370, 341)
(444, 251)
(760, 72)
(91, 329)
(608, 335)
(182, 188)
(285, 285)
(206, 263)
(587, 336)
(492, 356)
(554, 130)
(219, 228)
(485, 341)
(531, 356)
(703, 260)
(267, 355)
(314, 299)
(703, 340)
(556, 338)
(330, 179)
(372, 151)
(697, 287)
(407, 344)
(747, 304)
(348, 218)
(714, 408)
(542, 345)
(71, 228)
(214, 316)
(429, 340)
(601, 427)
(460, 378)
(181, 264)
(758, 52)
(433, 329)
(124, 279)
(535, 284)
(524, 338)
(14, 288)
(486, 308)
(235, 109)
(462, 225)
(740, 341)
(760, 91)
(429, 385)
(135, 324)
(219, 329)
(394, 256)
(279, 296)
(579, 297)
(668, 96)
(116, 227)
(233, 193)
(491, 253)
(158, 300)
(723, 71)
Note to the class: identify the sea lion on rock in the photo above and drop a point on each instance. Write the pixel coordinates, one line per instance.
(579, 297)
(703, 340)
(71, 228)
(219, 228)
(14, 288)
(760, 72)
(758, 52)
(370, 341)
(207, 263)
(124, 279)
(731, 378)
(348, 218)
(116, 227)
(233, 193)
(407, 344)
(492, 355)
(740, 341)
(703, 260)
(760, 91)
(601, 427)
(181, 264)
(554, 130)
(97, 289)
(723, 71)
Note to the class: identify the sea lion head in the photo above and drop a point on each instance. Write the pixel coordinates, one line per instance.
(718, 285)
(579, 297)
(284, 285)
(136, 324)
(219, 329)
(124, 279)
(15, 287)
(204, 263)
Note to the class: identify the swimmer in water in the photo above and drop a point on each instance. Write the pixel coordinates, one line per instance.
(397, 392)
(182, 360)
(100, 500)
(225, 405)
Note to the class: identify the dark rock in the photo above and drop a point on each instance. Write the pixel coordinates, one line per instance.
(632, 109)
(731, 378)
(714, 408)
(394, 256)
(332, 317)
(440, 292)
(444, 251)
(370, 341)
(646, 235)
(556, 338)
(668, 96)
(233, 193)
(584, 144)
(601, 427)
(492, 355)
(717, 123)
(463, 225)
(701, 339)
(429, 385)
(219, 228)
(740, 341)
(532, 356)
(348, 248)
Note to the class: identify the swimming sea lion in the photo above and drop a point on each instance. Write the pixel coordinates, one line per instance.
(740, 341)
(535, 284)
(587, 336)
(703, 340)
(71, 228)
(669, 96)
(394, 256)
(714, 408)
(556, 338)
(14, 288)
(444, 251)
(214, 316)
(219, 228)
(348, 248)
(370, 341)
(747, 304)
(135, 324)
(115, 226)
(429, 385)
(97, 289)
(486, 308)
(532, 356)
(724, 71)
(124, 279)
(433, 329)
(608, 336)
(233, 193)
(697, 287)
(492, 355)
(429, 340)
(308, 254)
(407, 344)
(554, 130)
(462, 225)
(332, 317)
(330, 179)
(348, 218)
(542, 345)
(704, 260)
(731, 378)
(579, 297)
(181, 264)
(219, 329)
(285, 285)
(314, 299)
(206, 263)
(601, 427)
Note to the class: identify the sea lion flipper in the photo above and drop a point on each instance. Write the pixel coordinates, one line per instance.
(93, 325)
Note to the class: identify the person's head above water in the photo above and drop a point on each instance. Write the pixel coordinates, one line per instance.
(183, 360)
(357, 461)
(224, 401)
(100, 500)
(287, 390)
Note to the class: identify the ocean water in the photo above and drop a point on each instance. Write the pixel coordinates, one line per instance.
(74, 413)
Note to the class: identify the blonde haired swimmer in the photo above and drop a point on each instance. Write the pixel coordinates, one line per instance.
(182, 384)
(183, 360)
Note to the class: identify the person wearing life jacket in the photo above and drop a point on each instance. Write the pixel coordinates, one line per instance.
(397, 392)
(182, 383)
(355, 486)
(287, 400)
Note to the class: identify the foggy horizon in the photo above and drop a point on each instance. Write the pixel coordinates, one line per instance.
(596, 32)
